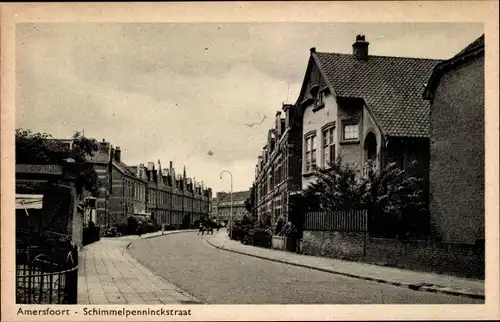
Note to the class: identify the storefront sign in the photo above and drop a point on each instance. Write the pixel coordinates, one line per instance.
(39, 169)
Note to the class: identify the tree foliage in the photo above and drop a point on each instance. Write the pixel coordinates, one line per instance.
(250, 201)
(42, 148)
(395, 200)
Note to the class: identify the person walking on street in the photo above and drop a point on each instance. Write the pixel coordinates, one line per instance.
(139, 229)
(162, 228)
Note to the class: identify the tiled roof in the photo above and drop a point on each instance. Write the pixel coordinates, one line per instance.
(390, 86)
(122, 167)
(237, 196)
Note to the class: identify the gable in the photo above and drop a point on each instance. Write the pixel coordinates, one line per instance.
(312, 78)
(475, 50)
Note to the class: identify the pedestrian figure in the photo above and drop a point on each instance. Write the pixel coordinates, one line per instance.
(218, 226)
(139, 229)
(201, 230)
(162, 228)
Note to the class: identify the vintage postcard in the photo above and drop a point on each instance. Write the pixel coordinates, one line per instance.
(249, 161)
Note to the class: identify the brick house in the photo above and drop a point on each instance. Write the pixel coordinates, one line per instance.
(139, 190)
(361, 107)
(127, 192)
(456, 92)
(277, 166)
(224, 205)
(101, 161)
(171, 198)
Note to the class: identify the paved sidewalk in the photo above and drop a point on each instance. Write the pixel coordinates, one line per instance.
(107, 274)
(405, 278)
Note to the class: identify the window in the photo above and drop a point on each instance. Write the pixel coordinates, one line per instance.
(351, 132)
(319, 101)
(310, 152)
(313, 151)
(329, 140)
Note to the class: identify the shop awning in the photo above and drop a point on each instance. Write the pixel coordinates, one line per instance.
(25, 201)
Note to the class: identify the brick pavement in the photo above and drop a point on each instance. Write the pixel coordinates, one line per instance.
(107, 274)
(421, 281)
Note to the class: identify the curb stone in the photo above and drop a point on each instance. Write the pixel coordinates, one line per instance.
(192, 299)
(431, 289)
(171, 232)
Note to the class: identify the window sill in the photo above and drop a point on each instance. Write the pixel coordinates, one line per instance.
(318, 107)
(348, 142)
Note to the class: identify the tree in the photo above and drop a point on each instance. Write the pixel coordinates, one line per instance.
(250, 201)
(395, 200)
(42, 148)
(335, 187)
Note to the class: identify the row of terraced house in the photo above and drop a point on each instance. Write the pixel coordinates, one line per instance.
(362, 107)
(147, 190)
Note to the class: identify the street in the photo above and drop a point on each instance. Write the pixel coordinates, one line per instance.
(219, 277)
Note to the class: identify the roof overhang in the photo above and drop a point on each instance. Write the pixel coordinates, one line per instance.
(446, 66)
(29, 201)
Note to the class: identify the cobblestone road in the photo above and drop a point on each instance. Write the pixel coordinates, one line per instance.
(219, 277)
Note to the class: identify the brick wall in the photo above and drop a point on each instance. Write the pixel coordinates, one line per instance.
(460, 260)
(457, 155)
(332, 244)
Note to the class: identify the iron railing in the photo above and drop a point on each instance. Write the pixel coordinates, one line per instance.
(46, 273)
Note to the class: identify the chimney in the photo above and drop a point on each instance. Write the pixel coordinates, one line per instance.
(278, 125)
(118, 154)
(171, 173)
(151, 166)
(286, 108)
(360, 48)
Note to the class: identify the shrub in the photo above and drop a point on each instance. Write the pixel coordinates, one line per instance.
(289, 230)
(186, 224)
(90, 235)
(260, 237)
(394, 199)
(122, 229)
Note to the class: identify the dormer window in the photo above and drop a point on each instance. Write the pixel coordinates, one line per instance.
(318, 97)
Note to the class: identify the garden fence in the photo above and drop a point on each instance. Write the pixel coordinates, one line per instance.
(345, 220)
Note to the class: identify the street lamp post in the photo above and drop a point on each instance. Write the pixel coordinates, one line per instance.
(231, 205)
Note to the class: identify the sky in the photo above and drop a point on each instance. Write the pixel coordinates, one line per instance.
(183, 92)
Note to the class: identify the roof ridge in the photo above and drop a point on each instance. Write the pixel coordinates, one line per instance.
(383, 56)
